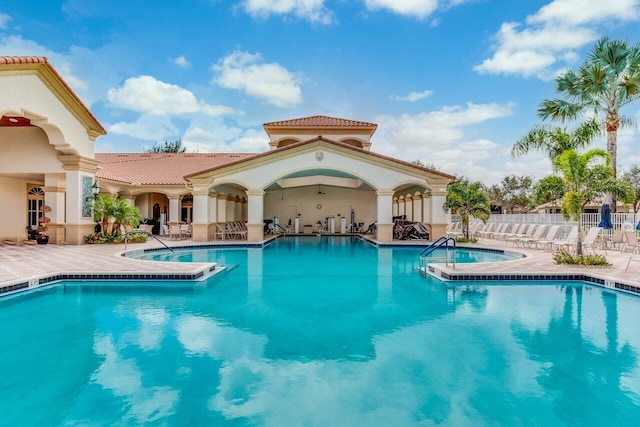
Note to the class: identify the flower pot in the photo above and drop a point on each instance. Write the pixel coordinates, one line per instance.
(42, 240)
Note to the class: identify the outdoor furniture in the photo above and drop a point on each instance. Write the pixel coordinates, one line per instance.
(185, 231)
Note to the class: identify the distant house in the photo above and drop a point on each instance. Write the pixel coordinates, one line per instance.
(316, 168)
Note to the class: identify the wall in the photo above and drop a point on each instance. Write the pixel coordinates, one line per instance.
(27, 150)
(285, 204)
(13, 209)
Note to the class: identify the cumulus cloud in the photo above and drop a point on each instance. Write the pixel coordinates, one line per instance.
(4, 21)
(438, 137)
(149, 127)
(249, 73)
(415, 8)
(313, 11)
(216, 137)
(146, 94)
(412, 97)
(549, 39)
(182, 62)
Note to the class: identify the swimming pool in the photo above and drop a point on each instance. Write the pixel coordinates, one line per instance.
(322, 332)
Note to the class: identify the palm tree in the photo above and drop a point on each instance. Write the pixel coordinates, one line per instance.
(554, 141)
(585, 179)
(607, 81)
(468, 199)
(114, 212)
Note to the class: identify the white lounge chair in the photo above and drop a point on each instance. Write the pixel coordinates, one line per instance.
(546, 242)
(568, 243)
(530, 240)
(592, 239)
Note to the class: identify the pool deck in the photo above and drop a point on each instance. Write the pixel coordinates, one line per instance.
(24, 266)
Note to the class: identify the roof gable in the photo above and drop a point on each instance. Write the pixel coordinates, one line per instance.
(319, 122)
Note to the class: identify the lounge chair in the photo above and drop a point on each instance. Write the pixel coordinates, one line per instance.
(617, 240)
(530, 240)
(546, 242)
(526, 232)
(592, 239)
(185, 231)
(569, 242)
(174, 232)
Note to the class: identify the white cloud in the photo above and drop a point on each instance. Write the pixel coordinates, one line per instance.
(269, 81)
(150, 127)
(413, 96)
(145, 94)
(313, 11)
(4, 21)
(415, 8)
(550, 38)
(182, 62)
(438, 137)
(206, 136)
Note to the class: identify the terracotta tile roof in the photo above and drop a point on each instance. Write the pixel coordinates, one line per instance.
(330, 141)
(320, 121)
(22, 60)
(159, 168)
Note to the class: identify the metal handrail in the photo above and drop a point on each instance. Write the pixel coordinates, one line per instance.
(442, 242)
(148, 234)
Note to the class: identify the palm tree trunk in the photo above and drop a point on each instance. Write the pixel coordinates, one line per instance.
(612, 143)
(579, 239)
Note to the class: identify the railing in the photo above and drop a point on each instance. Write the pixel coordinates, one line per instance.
(442, 242)
(148, 235)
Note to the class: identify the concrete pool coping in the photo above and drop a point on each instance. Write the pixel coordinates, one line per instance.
(25, 266)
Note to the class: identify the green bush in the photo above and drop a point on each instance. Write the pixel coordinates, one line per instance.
(564, 257)
(102, 238)
(465, 240)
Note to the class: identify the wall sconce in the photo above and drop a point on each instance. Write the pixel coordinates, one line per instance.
(95, 189)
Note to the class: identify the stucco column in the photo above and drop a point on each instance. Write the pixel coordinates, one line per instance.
(78, 217)
(417, 207)
(401, 206)
(384, 218)
(54, 198)
(396, 207)
(200, 225)
(222, 208)
(426, 207)
(231, 208)
(255, 214)
(408, 211)
(213, 214)
(174, 210)
(439, 216)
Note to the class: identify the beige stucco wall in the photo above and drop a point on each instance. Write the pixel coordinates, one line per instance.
(27, 150)
(13, 209)
(285, 204)
(26, 95)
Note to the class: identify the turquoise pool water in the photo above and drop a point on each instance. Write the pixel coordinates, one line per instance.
(319, 333)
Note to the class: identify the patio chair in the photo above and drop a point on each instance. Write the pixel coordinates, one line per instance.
(617, 240)
(185, 231)
(592, 239)
(174, 232)
(631, 241)
(526, 232)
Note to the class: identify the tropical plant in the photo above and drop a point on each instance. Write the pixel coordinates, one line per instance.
(607, 81)
(114, 212)
(564, 257)
(632, 176)
(549, 189)
(44, 219)
(468, 199)
(513, 191)
(585, 179)
(555, 140)
(167, 147)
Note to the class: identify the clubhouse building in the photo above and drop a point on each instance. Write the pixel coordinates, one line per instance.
(317, 170)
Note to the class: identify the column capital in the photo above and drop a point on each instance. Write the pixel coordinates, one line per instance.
(72, 162)
(255, 192)
(385, 192)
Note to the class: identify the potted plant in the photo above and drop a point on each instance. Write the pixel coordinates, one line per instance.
(43, 238)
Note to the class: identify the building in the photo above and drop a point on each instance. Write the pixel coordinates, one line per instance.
(317, 169)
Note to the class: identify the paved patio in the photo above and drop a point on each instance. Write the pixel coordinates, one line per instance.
(37, 264)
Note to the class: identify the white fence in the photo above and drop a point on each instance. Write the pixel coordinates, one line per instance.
(624, 221)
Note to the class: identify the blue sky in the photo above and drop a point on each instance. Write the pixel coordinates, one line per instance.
(453, 83)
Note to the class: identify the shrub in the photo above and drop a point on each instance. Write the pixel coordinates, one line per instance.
(465, 240)
(564, 257)
(102, 238)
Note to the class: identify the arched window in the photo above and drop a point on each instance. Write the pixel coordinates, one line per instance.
(35, 200)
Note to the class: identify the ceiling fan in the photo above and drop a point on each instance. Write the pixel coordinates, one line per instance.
(320, 191)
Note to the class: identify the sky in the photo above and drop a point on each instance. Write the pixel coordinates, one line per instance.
(452, 83)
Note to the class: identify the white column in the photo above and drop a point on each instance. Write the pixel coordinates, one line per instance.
(401, 206)
(213, 207)
(174, 209)
(417, 207)
(426, 207)
(384, 216)
(396, 207)
(231, 208)
(255, 214)
(408, 200)
(222, 208)
(201, 207)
